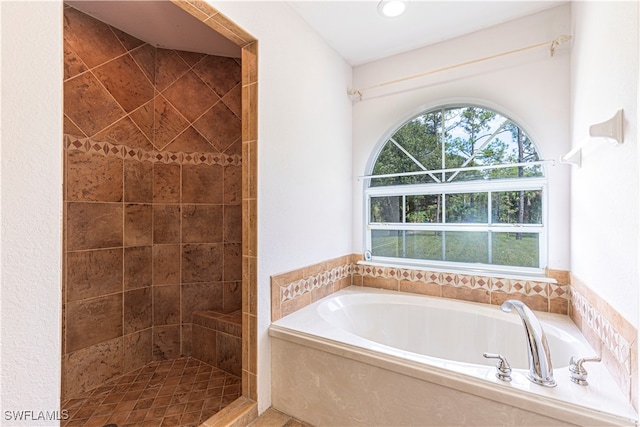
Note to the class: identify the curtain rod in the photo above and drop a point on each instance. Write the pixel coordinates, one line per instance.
(553, 44)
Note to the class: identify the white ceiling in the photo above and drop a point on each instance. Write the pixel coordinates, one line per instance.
(360, 35)
(159, 23)
(353, 28)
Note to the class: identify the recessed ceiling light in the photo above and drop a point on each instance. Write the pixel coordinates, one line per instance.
(391, 8)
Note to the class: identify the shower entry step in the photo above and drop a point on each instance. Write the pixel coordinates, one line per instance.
(182, 392)
(216, 338)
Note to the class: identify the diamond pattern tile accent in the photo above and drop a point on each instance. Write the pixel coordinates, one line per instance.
(181, 392)
(610, 338)
(104, 148)
(559, 291)
(303, 286)
(483, 282)
(289, 291)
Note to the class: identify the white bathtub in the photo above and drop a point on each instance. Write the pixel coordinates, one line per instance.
(365, 356)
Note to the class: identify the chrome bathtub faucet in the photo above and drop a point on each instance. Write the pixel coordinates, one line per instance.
(540, 369)
(503, 369)
(577, 373)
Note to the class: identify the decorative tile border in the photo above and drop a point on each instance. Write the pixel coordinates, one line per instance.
(293, 286)
(308, 284)
(104, 148)
(492, 284)
(611, 339)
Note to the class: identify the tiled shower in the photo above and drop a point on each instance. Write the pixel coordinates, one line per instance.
(153, 209)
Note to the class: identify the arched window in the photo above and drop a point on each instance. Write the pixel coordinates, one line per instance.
(458, 187)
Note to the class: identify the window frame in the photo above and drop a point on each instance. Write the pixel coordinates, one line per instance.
(444, 188)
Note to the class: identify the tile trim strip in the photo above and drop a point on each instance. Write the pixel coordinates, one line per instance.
(107, 149)
(611, 339)
(512, 286)
(308, 284)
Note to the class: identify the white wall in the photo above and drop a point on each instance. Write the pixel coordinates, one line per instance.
(605, 192)
(530, 87)
(304, 153)
(31, 208)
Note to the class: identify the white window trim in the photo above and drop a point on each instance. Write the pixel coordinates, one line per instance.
(535, 183)
(460, 187)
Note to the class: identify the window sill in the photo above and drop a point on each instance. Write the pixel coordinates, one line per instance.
(538, 277)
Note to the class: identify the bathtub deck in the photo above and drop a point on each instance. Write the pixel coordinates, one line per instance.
(366, 369)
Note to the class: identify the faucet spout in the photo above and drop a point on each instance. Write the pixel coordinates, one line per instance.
(540, 369)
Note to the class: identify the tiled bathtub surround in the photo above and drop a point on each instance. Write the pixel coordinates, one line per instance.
(539, 295)
(153, 208)
(296, 289)
(611, 336)
(608, 333)
(319, 281)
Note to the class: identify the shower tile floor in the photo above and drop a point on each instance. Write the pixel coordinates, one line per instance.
(181, 392)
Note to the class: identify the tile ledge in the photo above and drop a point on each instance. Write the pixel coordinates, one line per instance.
(468, 272)
(238, 413)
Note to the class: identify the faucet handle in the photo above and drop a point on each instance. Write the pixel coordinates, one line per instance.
(503, 368)
(578, 374)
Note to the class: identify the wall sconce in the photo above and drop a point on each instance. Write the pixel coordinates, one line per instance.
(612, 130)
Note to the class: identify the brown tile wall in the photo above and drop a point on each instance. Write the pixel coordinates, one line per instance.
(153, 198)
(223, 332)
(211, 17)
